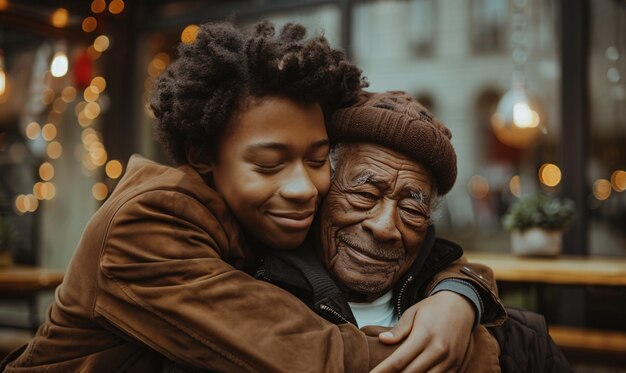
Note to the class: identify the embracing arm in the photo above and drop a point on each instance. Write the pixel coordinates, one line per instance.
(438, 329)
(164, 283)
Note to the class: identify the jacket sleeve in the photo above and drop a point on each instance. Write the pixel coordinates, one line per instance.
(163, 283)
(483, 279)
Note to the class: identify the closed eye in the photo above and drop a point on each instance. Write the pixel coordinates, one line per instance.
(317, 163)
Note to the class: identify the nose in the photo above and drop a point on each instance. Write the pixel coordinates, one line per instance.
(299, 186)
(382, 222)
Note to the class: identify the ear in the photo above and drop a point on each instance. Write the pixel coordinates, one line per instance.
(198, 161)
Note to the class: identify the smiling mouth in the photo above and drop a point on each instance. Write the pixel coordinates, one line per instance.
(292, 220)
(364, 256)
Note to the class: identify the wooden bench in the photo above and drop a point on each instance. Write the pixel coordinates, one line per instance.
(580, 344)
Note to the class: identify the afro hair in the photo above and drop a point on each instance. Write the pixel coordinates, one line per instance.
(225, 68)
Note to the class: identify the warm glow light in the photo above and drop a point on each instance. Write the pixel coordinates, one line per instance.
(4, 4)
(59, 18)
(116, 6)
(478, 186)
(83, 120)
(54, 150)
(602, 189)
(49, 132)
(113, 169)
(188, 36)
(3, 75)
(46, 171)
(99, 83)
(549, 175)
(91, 93)
(101, 43)
(47, 96)
(515, 186)
(93, 53)
(98, 6)
(20, 204)
(517, 122)
(89, 136)
(69, 94)
(99, 191)
(49, 190)
(31, 203)
(89, 24)
(59, 105)
(618, 180)
(92, 110)
(59, 65)
(33, 130)
(38, 190)
(98, 156)
(80, 107)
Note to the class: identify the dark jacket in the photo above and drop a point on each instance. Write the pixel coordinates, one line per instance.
(526, 346)
(302, 273)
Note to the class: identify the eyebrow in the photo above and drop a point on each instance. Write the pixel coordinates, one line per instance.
(366, 177)
(419, 195)
(281, 146)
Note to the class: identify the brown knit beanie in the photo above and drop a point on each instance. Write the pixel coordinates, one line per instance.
(395, 120)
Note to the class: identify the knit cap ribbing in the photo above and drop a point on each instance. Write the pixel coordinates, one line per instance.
(395, 120)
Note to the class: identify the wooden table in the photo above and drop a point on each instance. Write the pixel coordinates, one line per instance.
(563, 270)
(24, 283)
(605, 345)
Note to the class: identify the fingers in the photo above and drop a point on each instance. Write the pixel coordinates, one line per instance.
(400, 331)
(432, 360)
(405, 354)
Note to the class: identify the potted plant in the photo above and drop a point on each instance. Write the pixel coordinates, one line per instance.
(7, 240)
(537, 223)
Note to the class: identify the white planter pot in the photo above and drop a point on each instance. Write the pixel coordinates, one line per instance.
(536, 241)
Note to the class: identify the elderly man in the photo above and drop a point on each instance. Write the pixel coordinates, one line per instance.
(392, 160)
(375, 253)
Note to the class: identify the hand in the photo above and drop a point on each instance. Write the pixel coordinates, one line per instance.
(436, 334)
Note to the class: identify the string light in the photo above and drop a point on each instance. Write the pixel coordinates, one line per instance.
(550, 174)
(601, 189)
(113, 169)
(478, 186)
(46, 171)
(618, 180)
(49, 132)
(99, 191)
(116, 6)
(3, 75)
(98, 6)
(89, 24)
(101, 43)
(33, 130)
(515, 186)
(59, 18)
(59, 64)
(189, 34)
(68, 94)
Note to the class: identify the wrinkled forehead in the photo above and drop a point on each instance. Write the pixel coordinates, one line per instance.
(366, 163)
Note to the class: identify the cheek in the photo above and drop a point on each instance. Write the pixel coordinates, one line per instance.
(321, 179)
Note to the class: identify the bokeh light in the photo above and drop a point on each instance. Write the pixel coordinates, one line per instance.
(89, 24)
(68, 94)
(59, 18)
(113, 169)
(98, 6)
(478, 187)
(33, 130)
(46, 171)
(99, 83)
(515, 186)
(549, 174)
(188, 36)
(601, 189)
(101, 43)
(49, 132)
(54, 150)
(618, 180)
(99, 191)
(116, 6)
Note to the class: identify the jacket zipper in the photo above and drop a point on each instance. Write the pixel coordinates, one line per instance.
(334, 313)
(401, 294)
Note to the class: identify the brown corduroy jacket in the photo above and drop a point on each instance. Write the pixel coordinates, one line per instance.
(155, 277)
